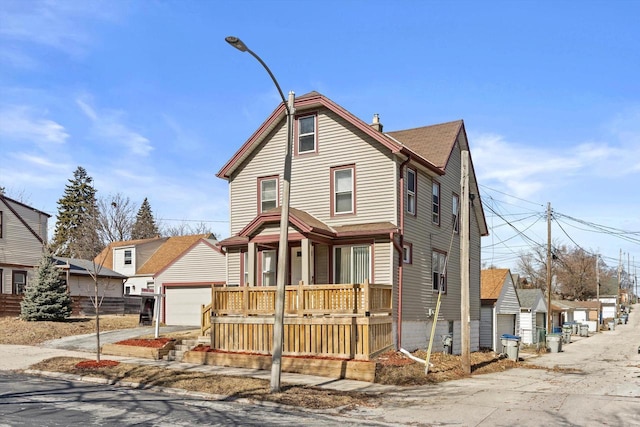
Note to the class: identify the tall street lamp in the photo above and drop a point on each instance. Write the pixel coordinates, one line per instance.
(278, 322)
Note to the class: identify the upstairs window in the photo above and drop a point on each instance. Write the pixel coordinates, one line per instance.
(407, 256)
(439, 271)
(342, 198)
(411, 191)
(455, 208)
(435, 212)
(127, 257)
(268, 193)
(306, 134)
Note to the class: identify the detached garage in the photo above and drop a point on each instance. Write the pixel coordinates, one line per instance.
(184, 303)
(187, 282)
(499, 307)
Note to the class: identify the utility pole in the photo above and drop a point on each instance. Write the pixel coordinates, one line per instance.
(598, 290)
(549, 260)
(617, 315)
(465, 327)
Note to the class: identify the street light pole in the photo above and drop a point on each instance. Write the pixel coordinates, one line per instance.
(281, 274)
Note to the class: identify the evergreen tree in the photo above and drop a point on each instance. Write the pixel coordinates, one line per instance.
(77, 212)
(46, 297)
(145, 226)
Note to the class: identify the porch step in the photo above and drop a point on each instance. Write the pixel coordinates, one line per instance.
(182, 347)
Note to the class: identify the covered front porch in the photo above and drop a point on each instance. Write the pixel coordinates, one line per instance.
(344, 321)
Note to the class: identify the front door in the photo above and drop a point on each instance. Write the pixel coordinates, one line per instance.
(296, 265)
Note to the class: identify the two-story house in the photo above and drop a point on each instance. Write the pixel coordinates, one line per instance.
(365, 206)
(23, 236)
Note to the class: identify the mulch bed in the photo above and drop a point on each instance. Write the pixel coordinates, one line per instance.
(93, 364)
(146, 342)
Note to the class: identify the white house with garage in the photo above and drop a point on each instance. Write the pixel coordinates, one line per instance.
(499, 307)
(187, 281)
(533, 314)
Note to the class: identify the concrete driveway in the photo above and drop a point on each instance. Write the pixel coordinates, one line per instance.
(601, 388)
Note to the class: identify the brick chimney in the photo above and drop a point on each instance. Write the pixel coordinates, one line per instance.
(376, 123)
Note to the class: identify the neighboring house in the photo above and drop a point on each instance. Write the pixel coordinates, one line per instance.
(23, 235)
(187, 281)
(140, 260)
(533, 315)
(561, 313)
(500, 307)
(80, 281)
(609, 306)
(583, 311)
(366, 206)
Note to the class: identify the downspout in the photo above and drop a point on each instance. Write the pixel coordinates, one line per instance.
(400, 249)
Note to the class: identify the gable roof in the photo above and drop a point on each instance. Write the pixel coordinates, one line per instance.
(529, 297)
(106, 256)
(5, 200)
(491, 282)
(83, 267)
(170, 250)
(206, 241)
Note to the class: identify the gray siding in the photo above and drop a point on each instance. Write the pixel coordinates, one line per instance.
(322, 274)
(233, 267)
(200, 264)
(339, 143)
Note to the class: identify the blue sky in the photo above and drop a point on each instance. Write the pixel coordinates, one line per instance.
(148, 97)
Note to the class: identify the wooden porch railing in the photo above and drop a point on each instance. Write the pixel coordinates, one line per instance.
(330, 320)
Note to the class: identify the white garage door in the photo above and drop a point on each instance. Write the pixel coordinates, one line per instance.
(183, 304)
(506, 325)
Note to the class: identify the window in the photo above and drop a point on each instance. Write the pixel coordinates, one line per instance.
(455, 206)
(19, 282)
(151, 285)
(411, 191)
(438, 268)
(268, 193)
(127, 290)
(127, 257)
(351, 264)
(407, 254)
(0, 224)
(342, 200)
(435, 217)
(269, 268)
(307, 134)
(245, 269)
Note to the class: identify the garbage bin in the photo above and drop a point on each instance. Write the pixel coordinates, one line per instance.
(612, 325)
(447, 343)
(510, 345)
(584, 330)
(625, 318)
(566, 333)
(554, 342)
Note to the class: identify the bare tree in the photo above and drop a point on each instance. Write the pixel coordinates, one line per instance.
(184, 229)
(116, 215)
(532, 266)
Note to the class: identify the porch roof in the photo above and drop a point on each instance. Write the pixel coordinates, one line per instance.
(308, 225)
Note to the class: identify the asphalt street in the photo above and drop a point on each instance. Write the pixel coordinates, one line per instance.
(594, 381)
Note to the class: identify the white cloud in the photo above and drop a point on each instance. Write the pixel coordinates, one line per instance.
(64, 26)
(108, 127)
(23, 123)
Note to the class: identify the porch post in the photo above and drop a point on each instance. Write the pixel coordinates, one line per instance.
(252, 267)
(306, 261)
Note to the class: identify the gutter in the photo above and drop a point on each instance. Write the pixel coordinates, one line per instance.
(399, 248)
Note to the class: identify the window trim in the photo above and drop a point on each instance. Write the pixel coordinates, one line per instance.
(14, 288)
(128, 260)
(407, 253)
(413, 193)
(455, 213)
(434, 287)
(262, 269)
(436, 207)
(244, 268)
(262, 179)
(298, 135)
(333, 203)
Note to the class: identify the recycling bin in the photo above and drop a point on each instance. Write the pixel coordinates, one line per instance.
(511, 346)
(566, 333)
(554, 342)
(584, 330)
